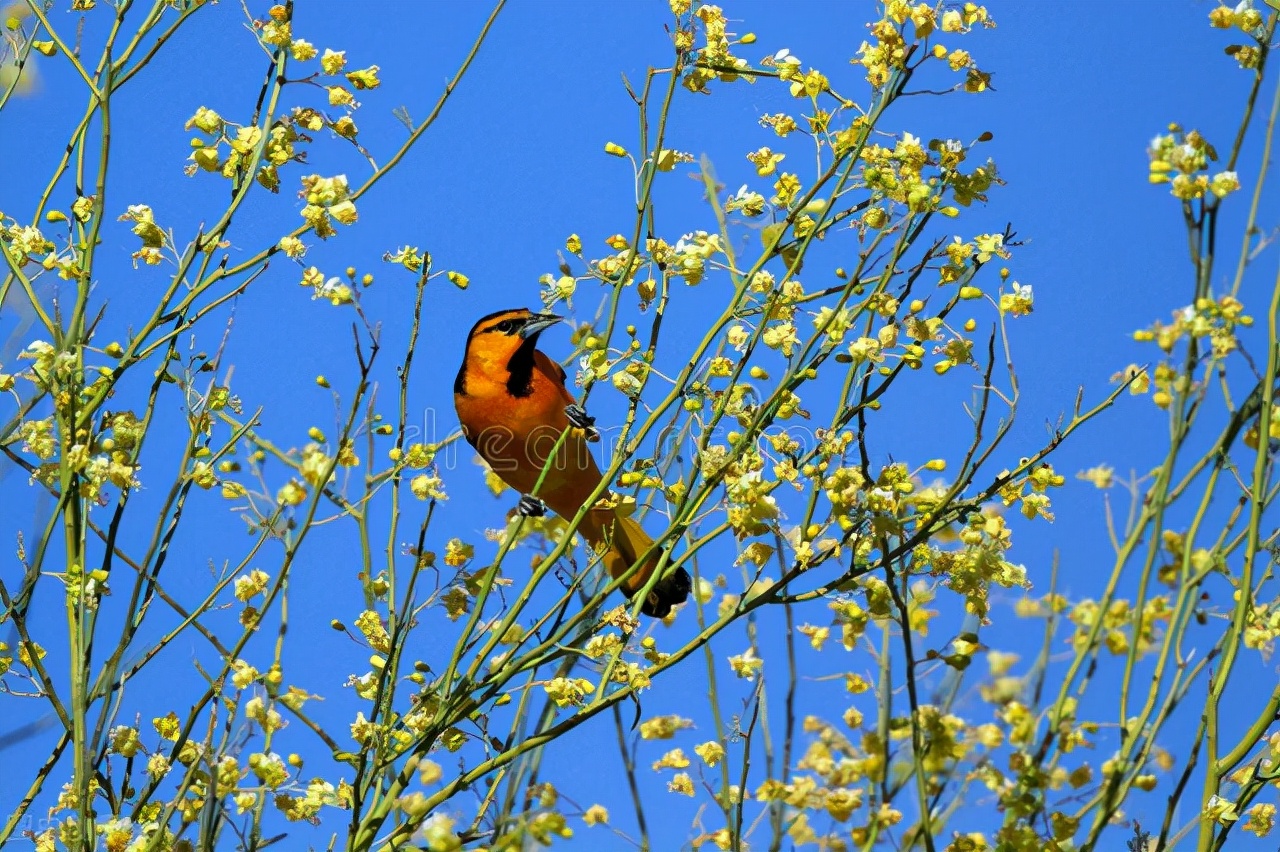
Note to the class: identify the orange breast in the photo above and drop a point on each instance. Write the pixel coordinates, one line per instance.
(516, 436)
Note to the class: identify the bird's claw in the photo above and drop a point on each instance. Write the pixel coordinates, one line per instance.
(669, 592)
(579, 417)
(530, 507)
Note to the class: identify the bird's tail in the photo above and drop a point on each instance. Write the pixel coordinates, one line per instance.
(626, 541)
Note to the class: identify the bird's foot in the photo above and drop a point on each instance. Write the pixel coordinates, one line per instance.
(579, 417)
(671, 591)
(530, 507)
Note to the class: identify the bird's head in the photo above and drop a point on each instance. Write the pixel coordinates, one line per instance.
(499, 337)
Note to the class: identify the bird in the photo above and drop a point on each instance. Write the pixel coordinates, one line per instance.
(513, 406)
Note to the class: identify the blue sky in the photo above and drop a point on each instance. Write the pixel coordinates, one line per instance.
(516, 164)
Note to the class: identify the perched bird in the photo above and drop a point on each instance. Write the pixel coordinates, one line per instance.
(513, 405)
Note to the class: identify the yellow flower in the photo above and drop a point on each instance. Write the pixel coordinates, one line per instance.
(765, 160)
(710, 752)
(362, 730)
(976, 81)
(1188, 188)
(243, 674)
(674, 759)
(149, 255)
(308, 118)
(344, 212)
(1044, 477)
(333, 61)
(277, 33)
(205, 120)
(875, 217)
(293, 493)
(746, 665)
(810, 85)
(370, 625)
(1247, 55)
(817, 635)
(1224, 183)
(663, 727)
(566, 691)
(1017, 303)
(364, 78)
(168, 726)
(959, 59)
(124, 740)
(456, 603)
(251, 584)
(667, 159)
(429, 772)
(1102, 476)
(1261, 818)
(302, 50)
(681, 784)
(1247, 18)
(157, 765)
(748, 202)
(975, 14)
(144, 225)
(782, 337)
(781, 123)
(786, 187)
(1220, 810)
(419, 455)
(842, 803)
(410, 257)
(82, 208)
(458, 553)
(207, 159)
(855, 683)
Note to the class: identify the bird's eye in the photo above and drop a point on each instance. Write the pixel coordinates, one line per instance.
(507, 326)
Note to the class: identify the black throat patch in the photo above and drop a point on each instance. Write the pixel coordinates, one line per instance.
(520, 382)
(460, 383)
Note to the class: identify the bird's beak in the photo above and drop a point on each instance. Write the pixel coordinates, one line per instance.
(537, 324)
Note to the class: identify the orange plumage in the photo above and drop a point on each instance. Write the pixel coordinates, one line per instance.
(513, 405)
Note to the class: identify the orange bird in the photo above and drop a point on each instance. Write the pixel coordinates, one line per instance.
(513, 405)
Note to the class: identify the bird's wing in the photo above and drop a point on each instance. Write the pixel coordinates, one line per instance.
(555, 372)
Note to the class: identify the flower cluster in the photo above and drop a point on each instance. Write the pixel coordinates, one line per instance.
(95, 459)
(328, 200)
(30, 250)
(715, 59)
(1181, 159)
(243, 781)
(239, 152)
(1248, 20)
(1116, 624)
(152, 235)
(971, 569)
(1212, 320)
(890, 49)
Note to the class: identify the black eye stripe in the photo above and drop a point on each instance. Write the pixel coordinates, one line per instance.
(507, 326)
